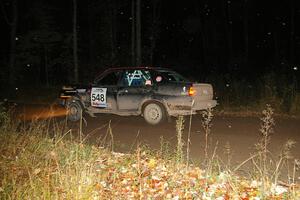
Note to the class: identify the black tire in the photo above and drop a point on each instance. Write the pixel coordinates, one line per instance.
(74, 111)
(154, 113)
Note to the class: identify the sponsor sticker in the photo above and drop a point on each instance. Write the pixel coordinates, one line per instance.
(98, 97)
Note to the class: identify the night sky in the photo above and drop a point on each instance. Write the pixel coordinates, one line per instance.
(206, 40)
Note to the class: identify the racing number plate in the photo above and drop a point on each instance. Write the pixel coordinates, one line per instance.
(98, 97)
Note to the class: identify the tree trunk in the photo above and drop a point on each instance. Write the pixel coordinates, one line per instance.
(228, 28)
(292, 32)
(46, 64)
(154, 28)
(203, 41)
(112, 32)
(202, 33)
(91, 27)
(133, 58)
(276, 47)
(246, 34)
(138, 34)
(75, 56)
(13, 38)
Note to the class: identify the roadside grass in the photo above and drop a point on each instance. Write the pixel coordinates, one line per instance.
(255, 111)
(46, 161)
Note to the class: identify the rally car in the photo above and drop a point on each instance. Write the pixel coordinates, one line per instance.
(154, 93)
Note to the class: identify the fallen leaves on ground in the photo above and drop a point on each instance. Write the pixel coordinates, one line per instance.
(152, 178)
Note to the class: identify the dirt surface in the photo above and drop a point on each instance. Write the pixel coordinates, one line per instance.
(235, 134)
(239, 134)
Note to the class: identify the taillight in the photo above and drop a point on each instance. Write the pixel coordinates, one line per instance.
(192, 91)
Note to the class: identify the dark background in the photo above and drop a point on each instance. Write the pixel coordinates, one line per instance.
(248, 49)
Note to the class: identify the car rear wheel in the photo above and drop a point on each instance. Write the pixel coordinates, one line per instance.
(154, 113)
(74, 111)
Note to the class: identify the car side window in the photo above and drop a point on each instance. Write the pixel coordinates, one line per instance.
(169, 76)
(136, 78)
(111, 78)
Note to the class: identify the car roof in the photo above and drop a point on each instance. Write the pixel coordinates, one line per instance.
(138, 67)
(103, 72)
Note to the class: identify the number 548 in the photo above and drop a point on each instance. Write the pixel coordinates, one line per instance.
(98, 97)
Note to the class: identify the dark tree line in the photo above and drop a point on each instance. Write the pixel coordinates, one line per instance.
(52, 42)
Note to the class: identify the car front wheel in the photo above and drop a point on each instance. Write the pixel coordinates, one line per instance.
(154, 113)
(74, 111)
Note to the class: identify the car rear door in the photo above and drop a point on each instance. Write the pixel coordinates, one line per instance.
(135, 86)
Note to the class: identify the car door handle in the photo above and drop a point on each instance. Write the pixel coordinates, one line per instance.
(122, 92)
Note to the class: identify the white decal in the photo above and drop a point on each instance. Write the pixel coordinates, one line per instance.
(98, 97)
(81, 90)
(148, 82)
(158, 79)
(137, 75)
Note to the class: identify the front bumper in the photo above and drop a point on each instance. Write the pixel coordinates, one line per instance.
(62, 102)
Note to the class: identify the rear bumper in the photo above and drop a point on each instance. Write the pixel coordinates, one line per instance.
(202, 105)
(192, 108)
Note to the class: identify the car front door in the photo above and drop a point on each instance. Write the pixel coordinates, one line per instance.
(104, 90)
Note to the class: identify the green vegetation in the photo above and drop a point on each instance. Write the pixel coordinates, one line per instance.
(237, 95)
(45, 161)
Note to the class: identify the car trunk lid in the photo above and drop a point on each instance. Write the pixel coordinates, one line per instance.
(202, 91)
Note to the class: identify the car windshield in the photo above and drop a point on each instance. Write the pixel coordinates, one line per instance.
(110, 78)
(172, 76)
